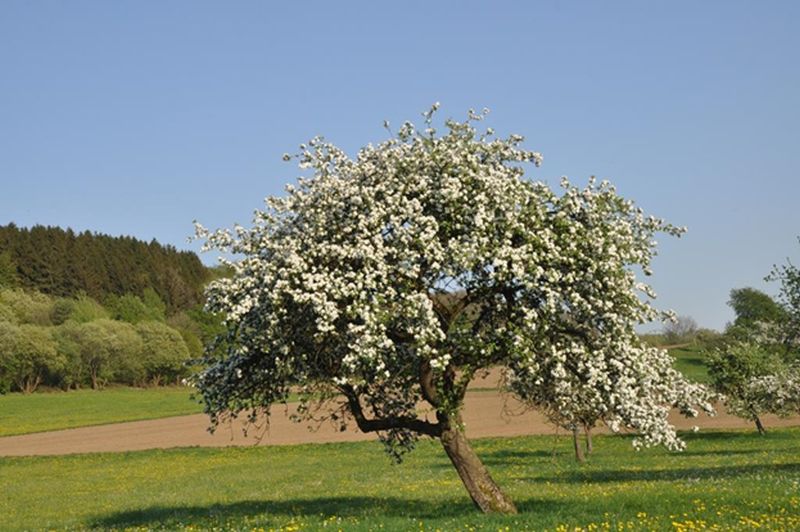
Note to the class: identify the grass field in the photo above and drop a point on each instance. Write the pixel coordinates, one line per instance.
(690, 361)
(727, 480)
(21, 414)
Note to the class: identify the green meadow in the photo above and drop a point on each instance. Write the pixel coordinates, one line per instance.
(38, 412)
(690, 360)
(724, 481)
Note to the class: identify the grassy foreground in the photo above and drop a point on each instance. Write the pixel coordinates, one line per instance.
(38, 412)
(726, 480)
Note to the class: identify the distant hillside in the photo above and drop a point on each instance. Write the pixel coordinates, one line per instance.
(64, 263)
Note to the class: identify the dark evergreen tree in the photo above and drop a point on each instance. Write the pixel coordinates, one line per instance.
(61, 263)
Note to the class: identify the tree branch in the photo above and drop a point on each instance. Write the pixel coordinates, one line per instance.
(413, 424)
(426, 384)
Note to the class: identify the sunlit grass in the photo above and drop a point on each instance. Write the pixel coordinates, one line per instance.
(690, 361)
(21, 414)
(726, 480)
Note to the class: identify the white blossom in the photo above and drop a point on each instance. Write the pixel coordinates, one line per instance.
(437, 252)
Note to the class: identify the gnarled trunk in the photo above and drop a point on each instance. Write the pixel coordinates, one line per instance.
(483, 490)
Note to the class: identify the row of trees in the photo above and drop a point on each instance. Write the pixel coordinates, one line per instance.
(61, 262)
(76, 342)
(95, 353)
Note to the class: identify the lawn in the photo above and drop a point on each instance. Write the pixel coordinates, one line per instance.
(21, 414)
(726, 480)
(690, 361)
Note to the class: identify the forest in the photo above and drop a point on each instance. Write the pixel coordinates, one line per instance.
(88, 309)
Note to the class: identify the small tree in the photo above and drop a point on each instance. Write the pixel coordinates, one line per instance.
(8, 340)
(388, 280)
(67, 340)
(27, 355)
(789, 276)
(62, 310)
(28, 306)
(132, 309)
(759, 319)
(778, 393)
(754, 306)
(164, 353)
(613, 378)
(86, 309)
(734, 369)
(680, 329)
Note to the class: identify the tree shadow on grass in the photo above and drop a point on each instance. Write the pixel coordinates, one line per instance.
(504, 456)
(277, 513)
(687, 474)
(722, 452)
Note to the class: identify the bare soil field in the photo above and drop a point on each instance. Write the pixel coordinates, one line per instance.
(486, 413)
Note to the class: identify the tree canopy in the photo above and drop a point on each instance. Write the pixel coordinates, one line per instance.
(754, 309)
(385, 281)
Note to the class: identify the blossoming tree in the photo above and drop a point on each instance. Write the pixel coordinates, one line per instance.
(587, 364)
(759, 371)
(382, 283)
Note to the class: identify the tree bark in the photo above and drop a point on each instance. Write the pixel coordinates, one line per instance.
(483, 490)
(29, 384)
(759, 426)
(576, 442)
(589, 446)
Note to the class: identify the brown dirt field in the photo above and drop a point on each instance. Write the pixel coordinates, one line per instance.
(485, 414)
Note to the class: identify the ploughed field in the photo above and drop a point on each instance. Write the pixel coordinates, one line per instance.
(728, 480)
(40, 412)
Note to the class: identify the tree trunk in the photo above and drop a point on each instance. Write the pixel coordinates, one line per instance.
(485, 493)
(577, 444)
(759, 426)
(29, 384)
(589, 446)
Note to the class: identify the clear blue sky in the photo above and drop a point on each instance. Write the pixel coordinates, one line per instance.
(137, 117)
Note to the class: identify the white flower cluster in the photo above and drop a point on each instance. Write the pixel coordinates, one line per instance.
(436, 252)
(777, 394)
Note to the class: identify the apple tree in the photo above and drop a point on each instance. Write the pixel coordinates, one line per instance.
(381, 283)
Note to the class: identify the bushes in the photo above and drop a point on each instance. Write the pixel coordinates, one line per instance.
(164, 353)
(85, 309)
(101, 351)
(28, 355)
(27, 307)
(132, 309)
(70, 343)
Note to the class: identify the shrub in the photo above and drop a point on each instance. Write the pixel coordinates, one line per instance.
(164, 353)
(28, 355)
(28, 307)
